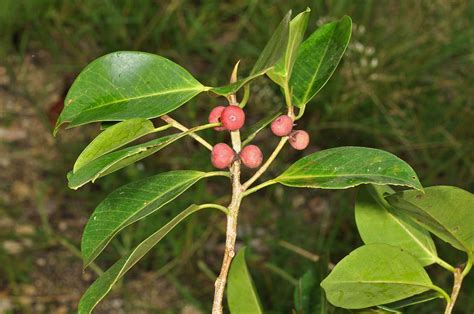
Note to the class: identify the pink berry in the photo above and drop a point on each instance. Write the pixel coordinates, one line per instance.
(251, 156)
(233, 118)
(299, 139)
(222, 156)
(282, 125)
(215, 116)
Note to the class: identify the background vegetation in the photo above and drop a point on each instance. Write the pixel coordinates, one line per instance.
(405, 85)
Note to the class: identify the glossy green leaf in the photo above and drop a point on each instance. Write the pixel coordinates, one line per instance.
(241, 294)
(303, 293)
(275, 47)
(127, 84)
(317, 59)
(375, 274)
(102, 286)
(131, 203)
(249, 133)
(273, 51)
(281, 72)
(116, 160)
(112, 138)
(446, 211)
(346, 167)
(417, 299)
(378, 222)
(119, 159)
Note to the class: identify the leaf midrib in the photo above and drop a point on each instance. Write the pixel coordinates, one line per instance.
(382, 282)
(447, 230)
(399, 222)
(328, 176)
(201, 88)
(420, 244)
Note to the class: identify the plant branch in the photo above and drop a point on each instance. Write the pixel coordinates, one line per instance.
(267, 164)
(181, 127)
(231, 230)
(456, 288)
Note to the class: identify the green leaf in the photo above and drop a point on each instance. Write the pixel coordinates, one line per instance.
(281, 72)
(114, 161)
(241, 294)
(417, 299)
(99, 289)
(446, 211)
(303, 293)
(378, 222)
(317, 59)
(346, 167)
(112, 138)
(375, 274)
(273, 51)
(250, 132)
(127, 84)
(275, 48)
(131, 203)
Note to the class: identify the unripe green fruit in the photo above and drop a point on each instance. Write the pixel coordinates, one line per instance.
(233, 118)
(251, 156)
(215, 116)
(282, 125)
(299, 139)
(222, 156)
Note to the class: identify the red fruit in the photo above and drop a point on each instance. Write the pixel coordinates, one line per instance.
(251, 156)
(222, 156)
(282, 125)
(233, 118)
(299, 139)
(215, 116)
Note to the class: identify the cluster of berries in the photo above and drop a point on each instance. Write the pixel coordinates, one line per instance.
(232, 118)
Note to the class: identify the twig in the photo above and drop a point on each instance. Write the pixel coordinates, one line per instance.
(231, 230)
(459, 275)
(181, 127)
(456, 288)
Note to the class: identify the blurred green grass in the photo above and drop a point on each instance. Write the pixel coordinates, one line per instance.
(405, 85)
